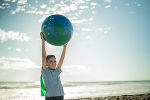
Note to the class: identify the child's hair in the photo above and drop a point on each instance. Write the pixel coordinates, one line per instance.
(49, 56)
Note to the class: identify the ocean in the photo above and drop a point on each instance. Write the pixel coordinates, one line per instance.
(31, 90)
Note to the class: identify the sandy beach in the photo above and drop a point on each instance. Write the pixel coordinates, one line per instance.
(123, 97)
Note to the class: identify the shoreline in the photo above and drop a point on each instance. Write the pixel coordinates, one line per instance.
(122, 97)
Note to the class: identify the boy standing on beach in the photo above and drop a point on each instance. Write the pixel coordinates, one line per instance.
(51, 74)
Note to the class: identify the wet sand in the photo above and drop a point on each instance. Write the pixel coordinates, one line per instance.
(122, 97)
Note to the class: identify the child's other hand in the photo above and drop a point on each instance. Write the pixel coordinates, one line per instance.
(41, 36)
(65, 45)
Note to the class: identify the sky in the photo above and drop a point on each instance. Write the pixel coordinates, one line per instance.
(110, 42)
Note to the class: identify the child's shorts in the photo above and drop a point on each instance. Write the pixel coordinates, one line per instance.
(55, 98)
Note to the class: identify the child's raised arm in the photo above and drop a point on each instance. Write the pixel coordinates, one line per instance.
(62, 57)
(43, 51)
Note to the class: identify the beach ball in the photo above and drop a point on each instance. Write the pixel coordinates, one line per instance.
(57, 30)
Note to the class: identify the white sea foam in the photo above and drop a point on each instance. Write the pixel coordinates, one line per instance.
(31, 90)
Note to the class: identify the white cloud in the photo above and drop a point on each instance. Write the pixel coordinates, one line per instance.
(5, 36)
(78, 1)
(19, 8)
(105, 32)
(75, 72)
(91, 19)
(108, 1)
(22, 1)
(73, 18)
(4, 5)
(85, 29)
(9, 48)
(78, 21)
(16, 63)
(75, 69)
(93, 4)
(7, 0)
(43, 6)
(108, 6)
(49, 46)
(93, 12)
(52, 1)
(18, 50)
(83, 7)
(139, 5)
(73, 7)
(99, 29)
(69, 7)
(13, 0)
(61, 2)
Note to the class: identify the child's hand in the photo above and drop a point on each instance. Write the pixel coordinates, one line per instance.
(65, 45)
(42, 36)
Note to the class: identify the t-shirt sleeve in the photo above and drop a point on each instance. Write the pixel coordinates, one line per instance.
(43, 71)
(58, 70)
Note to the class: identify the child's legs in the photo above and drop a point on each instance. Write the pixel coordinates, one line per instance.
(55, 98)
(50, 98)
(60, 98)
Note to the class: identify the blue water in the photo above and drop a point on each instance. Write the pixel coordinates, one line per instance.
(31, 90)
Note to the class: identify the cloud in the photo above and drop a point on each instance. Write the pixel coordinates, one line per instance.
(91, 19)
(138, 4)
(9, 48)
(85, 29)
(76, 7)
(108, 1)
(69, 8)
(73, 7)
(108, 6)
(22, 2)
(83, 7)
(99, 29)
(105, 29)
(77, 21)
(18, 50)
(43, 6)
(4, 5)
(16, 63)
(93, 4)
(11, 35)
(105, 32)
(75, 73)
(75, 69)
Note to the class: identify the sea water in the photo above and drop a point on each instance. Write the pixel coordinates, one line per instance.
(31, 90)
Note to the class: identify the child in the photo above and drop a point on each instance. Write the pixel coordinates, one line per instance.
(51, 74)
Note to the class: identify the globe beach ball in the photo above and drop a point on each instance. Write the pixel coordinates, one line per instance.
(57, 30)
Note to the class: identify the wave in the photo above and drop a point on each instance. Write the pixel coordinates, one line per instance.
(23, 85)
(74, 84)
(18, 85)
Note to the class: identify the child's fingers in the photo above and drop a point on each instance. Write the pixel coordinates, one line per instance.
(41, 35)
(65, 45)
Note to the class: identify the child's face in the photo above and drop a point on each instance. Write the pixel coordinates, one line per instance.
(52, 63)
